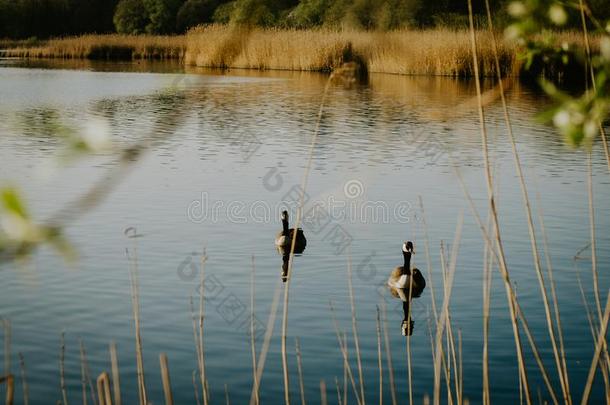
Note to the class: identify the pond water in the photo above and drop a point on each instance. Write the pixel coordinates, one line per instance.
(223, 151)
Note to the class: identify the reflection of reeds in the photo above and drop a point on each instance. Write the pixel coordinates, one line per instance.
(135, 304)
(379, 359)
(300, 370)
(24, 381)
(252, 334)
(62, 369)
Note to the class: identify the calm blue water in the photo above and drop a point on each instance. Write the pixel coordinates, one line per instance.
(223, 152)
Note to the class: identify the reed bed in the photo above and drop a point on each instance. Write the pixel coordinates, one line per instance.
(438, 52)
(441, 52)
(434, 52)
(105, 47)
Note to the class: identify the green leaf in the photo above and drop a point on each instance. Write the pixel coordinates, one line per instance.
(12, 202)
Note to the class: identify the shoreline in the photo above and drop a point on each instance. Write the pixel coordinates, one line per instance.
(433, 52)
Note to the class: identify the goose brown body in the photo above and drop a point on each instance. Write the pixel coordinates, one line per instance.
(284, 237)
(405, 277)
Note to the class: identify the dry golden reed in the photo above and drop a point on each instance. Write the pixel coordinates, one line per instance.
(432, 52)
(416, 52)
(113, 46)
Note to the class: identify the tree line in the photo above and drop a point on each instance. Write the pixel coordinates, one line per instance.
(50, 18)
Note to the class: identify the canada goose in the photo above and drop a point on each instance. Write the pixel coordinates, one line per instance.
(403, 277)
(283, 240)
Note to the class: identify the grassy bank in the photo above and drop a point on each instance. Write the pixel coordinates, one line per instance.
(114, 47)
(439, 52)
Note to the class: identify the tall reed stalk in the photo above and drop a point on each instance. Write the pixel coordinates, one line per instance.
(440, 327)
(587, 45)
(116, 379)
(86, 374)
(314, 139)
(201, 350)
(598, 349)
(487, 276)
(165, 379)
(103, 389)
(494, 214)
(343, 348)
(388, 353)
(563, 376)
(135, 304)
(9, 379)
(267, 338)
(339, 399)
(355, 327)
(549, 267)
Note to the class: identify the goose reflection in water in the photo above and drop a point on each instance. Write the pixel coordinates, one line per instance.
(407, 324)
(285, 253)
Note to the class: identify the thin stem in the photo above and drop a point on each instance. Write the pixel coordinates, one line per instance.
(596, 357)
(201, 351)
(323, 399)
(445, 309)
(116, 379)
(343, 348)
(379, 359)
(530, 223)
(490, 194)
(195, 387)
(300, 370)
(252, 335)
(267, 338)
(339, 400)
(62, 377)
(487, 273)
(165, 379)
(354, 327)
(293, 244)
(388, 352)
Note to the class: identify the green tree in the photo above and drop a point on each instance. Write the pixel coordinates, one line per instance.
(162, 15)
(252, 12)
(308, 13)
(131, 17)
(195, 12)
